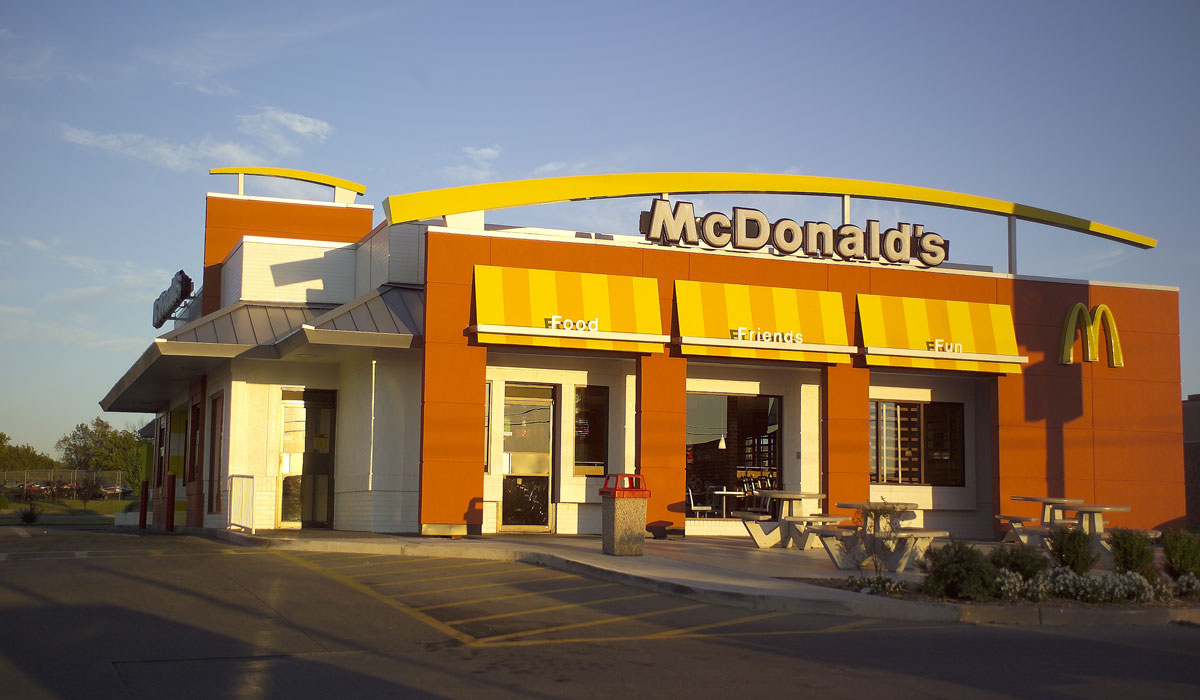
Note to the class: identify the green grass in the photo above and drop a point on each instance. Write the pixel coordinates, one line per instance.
(70, 507)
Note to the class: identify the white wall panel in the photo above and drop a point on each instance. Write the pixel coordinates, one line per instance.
(406, 263)
(231, 277)
(290, 271)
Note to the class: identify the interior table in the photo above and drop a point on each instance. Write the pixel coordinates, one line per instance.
(723, 493)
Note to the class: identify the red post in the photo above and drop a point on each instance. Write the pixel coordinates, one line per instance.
(169, 516)
(145, 502)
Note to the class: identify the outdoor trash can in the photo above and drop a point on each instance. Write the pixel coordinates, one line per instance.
(624, 514)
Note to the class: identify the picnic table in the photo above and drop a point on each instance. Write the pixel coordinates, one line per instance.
(1091, 517)
(791, 527)
(1024, 531)
(1049, 505)
(849, 548)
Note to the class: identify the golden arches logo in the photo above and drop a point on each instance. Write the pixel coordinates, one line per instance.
(1089, 326)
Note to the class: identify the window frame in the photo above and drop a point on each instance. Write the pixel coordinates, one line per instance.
(878, 445)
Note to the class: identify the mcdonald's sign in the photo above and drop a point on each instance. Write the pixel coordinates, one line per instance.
(1089, 324)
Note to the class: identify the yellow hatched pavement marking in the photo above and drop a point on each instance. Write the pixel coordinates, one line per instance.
(407, 566)
(482, 585)
(329, 563)
(440, 578)
(713, 625)
(690, 635)
(564, 606)
(590, 623)
(510, 596)
(386, 600)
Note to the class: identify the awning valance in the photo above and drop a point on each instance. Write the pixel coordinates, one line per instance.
(765, 323)
(938, 334)
(580, 310)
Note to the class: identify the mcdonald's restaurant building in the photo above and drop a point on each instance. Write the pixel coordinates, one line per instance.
(445, 375)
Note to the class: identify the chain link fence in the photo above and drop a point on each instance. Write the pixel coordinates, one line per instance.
(81, 484)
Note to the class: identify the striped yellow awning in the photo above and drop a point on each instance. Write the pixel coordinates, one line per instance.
(938, 334)
(765, 323)
(580, 310)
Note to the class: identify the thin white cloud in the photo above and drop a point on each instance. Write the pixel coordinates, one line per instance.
(201, 56)
(180, 157)
(478, 165)
(559, 168)
(549, 168)
(279, 130)
(215, 88)
(27, 66)
(481, 155)
(36, 244)
(279, 134)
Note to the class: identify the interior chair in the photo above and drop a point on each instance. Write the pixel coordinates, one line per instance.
(698, 509)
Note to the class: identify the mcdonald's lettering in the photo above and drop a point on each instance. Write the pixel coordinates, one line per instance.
(1089, 327)
(750, 230)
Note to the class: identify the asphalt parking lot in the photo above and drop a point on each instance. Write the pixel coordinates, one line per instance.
(102, 614)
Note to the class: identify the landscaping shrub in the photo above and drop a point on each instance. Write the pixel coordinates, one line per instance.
(1188, 586)
(1072, 549)
(1132, 551)
(1025, 560)
(132, 506)
(29, 515)
(1182, 551)
(958, 570)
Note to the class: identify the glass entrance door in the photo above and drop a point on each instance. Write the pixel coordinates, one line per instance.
(529, 421)
(306, 490)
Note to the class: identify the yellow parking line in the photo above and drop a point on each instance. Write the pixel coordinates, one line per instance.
(563, 606)
(374, 558)
(713, 625)
(425, 568)
(589, 623)
(366, 590)
(440, 578)
(657, 636)
(510, 596)
(428, 591)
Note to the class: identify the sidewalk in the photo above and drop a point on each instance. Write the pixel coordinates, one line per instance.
(721, 570)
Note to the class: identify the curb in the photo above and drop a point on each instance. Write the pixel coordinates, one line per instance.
(809, 599)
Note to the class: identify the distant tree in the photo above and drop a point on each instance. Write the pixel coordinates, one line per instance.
(99, 446)
(21, 457)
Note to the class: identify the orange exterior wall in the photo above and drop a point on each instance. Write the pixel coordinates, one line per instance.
(228, 220)
(1108, 435)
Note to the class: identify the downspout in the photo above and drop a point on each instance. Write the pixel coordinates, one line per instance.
(371, 442)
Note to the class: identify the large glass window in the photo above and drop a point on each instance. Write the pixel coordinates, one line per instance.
(733, 442)
(591, 430)
(487, 426)
(917, 443)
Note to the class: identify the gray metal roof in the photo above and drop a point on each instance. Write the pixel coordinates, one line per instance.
(389, 309)
(248, 323)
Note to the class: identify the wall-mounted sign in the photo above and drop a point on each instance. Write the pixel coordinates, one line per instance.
(749, 230)
(171, 298)
(758, 335)
(1089, 327)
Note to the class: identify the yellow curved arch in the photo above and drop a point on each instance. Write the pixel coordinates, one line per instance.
(518, 193)
(1089, 326)
(293, 174)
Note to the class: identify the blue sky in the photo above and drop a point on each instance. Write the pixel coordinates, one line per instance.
(111, 115)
